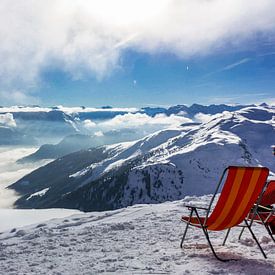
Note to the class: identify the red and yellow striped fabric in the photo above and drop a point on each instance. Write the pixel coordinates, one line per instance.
(269, 194)
(241, 189)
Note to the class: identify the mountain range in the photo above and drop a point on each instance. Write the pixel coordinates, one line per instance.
(34, 125)
(164, 166)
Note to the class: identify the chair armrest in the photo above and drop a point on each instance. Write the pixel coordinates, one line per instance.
(190, 206)
(264, 208)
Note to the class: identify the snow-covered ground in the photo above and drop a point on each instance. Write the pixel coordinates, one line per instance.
(141, 239)
(15, 218)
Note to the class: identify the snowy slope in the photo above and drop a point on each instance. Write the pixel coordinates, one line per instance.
(142, 239)
(166, 165)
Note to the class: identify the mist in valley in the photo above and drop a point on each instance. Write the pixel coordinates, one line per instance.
(11, 171)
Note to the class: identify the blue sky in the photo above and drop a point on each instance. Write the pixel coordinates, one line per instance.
(164, 79)
(131, 53)
(229, 76)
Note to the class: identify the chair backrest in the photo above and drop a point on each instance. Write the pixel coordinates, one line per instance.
(241, 189)
(268, 197)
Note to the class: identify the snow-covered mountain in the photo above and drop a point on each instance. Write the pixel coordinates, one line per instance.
(67, 145)
(166, 165)
(36, 124)
(212, 109)
(77, 142)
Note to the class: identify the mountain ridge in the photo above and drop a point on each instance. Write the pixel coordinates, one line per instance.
(166, 165)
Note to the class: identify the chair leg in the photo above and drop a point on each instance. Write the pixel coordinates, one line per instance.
(269, 232)
(267, 228)
(212, 248)
(186, 228)
(241, 233)
(208, 239)
(226, 236)
(254, 237)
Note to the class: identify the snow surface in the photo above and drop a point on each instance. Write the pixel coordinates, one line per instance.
(14, 218)
(11, 171)
(141, 239)
(39, 193)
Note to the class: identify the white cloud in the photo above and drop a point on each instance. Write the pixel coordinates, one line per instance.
(7, 120)
(99, 134)
(83, 36)
(200, 117)
(87, 123)
(131, 126)
(236, 64)
(10, 172)
(136, 121)
(181, 113)
(12, 96)
(204, 118)
(142, 120)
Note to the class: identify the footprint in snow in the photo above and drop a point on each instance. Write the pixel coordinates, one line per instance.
(20, 233)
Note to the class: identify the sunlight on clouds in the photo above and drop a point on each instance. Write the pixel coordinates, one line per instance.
(7, 120)
(131, 126)
(87, 123)
(204, 118)
(200, 117)
(137, 120)
(88, 37)
(123, 12)
(98, 134)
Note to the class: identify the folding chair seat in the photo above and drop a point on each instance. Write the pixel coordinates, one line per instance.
(241, 189)
(193, 220)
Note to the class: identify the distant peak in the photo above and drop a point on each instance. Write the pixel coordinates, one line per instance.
(107, 107)
(264, 104)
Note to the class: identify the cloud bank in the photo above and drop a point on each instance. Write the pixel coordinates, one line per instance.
(7, 120)
(136, 121)
(130, 126)
(10, 172)
(204, 118)
(88, 37)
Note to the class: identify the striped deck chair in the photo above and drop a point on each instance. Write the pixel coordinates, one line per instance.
(268, 197)
(241, 189)
(264, 213)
